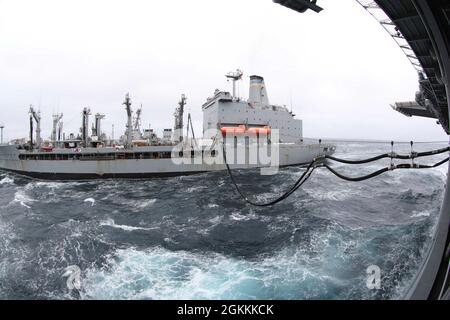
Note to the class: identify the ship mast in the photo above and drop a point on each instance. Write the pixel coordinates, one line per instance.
(97, 127)
(31, 131)
(85, 126)
(178, 127)
(2, 126)
(60, 131)
(37, 118)
(127, 104)
(234, 76)
(137, 120)
(56, 121)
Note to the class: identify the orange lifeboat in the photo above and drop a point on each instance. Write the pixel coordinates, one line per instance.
(266, 130)
(233, 130)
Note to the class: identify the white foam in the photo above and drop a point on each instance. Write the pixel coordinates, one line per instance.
(265, 197)
(214, 222)
(239, 217)
(91, 201)
(112, 224)
(136, 206)
(194, 189)
(23, 199)
(335, 195)
(6, 180)
(45, 184)
(145, 204)
(418, 214)
(169, 240)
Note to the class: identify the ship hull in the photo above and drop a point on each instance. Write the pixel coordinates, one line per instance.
(11, 159)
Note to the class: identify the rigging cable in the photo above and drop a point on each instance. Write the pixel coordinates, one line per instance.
(189, 125)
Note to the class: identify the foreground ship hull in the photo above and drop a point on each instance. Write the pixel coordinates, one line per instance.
(108, 163)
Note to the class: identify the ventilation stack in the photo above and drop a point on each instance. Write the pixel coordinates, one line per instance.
(258, 93)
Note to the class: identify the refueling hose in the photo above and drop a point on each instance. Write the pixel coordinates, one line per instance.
(391, 155)
(304, 177)
(316, 163)
(381, 171)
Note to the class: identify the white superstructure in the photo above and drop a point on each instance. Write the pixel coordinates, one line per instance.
(224, 110)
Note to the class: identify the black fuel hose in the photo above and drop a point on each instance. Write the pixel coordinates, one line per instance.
(382, 156)
(413, 155)
(303, 178)
(313, 165)
(381, 171)
(356, 179)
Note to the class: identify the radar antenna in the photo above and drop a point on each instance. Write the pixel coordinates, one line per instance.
(234, 76)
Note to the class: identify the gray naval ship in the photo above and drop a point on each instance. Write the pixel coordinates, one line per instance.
(227, 120)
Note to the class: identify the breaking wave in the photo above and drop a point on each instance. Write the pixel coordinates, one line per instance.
(161, 274)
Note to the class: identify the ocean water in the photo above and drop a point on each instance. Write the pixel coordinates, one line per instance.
(194, 238)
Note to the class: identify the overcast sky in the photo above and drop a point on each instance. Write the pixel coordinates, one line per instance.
(339, 68)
